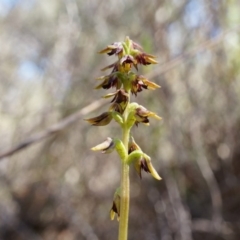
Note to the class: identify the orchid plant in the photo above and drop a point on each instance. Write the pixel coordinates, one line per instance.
(127, 114)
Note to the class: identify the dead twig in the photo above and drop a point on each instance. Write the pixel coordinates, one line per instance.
(208, 44)
(53, 129)
(207, 172)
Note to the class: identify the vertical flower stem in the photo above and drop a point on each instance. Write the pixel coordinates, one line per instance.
(125, 192)
(125, 182)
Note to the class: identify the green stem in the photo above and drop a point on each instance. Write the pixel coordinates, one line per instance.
(125, 192)
(125, 183)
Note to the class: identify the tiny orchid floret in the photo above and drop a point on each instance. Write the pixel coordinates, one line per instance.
(142, 115)
(141, 160)
(101, 120)
(125, 81)
(145, 164)
(115, 48)
(109, 81)
(140, 83)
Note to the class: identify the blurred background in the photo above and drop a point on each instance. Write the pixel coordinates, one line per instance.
(54, 187)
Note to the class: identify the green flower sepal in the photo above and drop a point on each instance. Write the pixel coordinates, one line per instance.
(131, 120)
(120, 148)
(117, 117)
(134, 156)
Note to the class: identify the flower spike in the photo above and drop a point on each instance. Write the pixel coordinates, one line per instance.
(125, 81)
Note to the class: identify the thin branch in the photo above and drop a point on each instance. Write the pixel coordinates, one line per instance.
(208, 44)
(182, 215)
(207, 172)
(205, 225)
(53, 129)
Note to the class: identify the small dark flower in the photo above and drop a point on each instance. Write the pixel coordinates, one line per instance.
(145, 59)
(115, 48)
(119, 96)
(128, 59)
(109, 81)
(144, 163)
(116, 205)
(142, 115)
(141, 82)
(101, 120)
(126, 63)
(120, 100)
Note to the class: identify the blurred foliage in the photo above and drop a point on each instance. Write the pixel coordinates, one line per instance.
(58, 189)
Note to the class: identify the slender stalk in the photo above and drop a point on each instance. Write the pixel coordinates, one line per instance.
(125, 192)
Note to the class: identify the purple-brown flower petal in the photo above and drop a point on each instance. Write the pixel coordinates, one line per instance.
(120, 100)
(145, 59)
(116, 205)
(101, 120)
(109, 81)
(128, 59)
(114, 48)
(142, 115)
